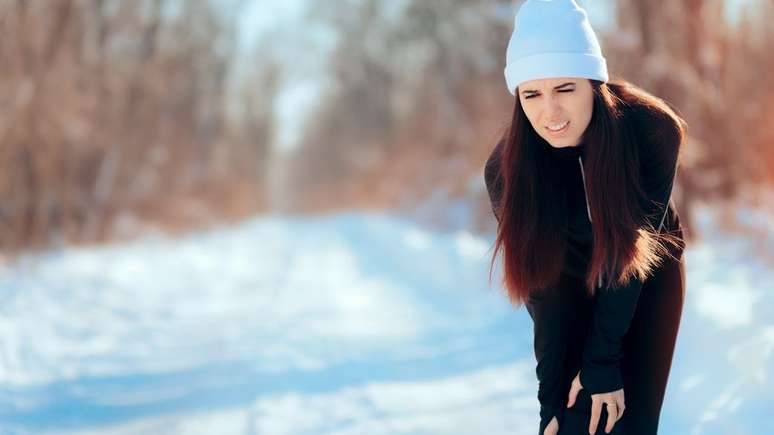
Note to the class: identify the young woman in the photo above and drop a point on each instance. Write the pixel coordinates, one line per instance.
(580, 186)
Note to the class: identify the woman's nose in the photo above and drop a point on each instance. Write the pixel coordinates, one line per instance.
(551, 105)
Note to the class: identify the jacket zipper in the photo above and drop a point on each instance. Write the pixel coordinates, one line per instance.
(583, 175)
(588, 209)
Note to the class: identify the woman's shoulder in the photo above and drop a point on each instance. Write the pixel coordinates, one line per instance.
(661, 127)
(658, 132)
(649, 116)
(656, 125)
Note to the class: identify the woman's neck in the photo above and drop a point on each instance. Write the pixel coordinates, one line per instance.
(568, 152)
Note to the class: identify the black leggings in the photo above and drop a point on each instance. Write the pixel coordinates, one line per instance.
(648, 347)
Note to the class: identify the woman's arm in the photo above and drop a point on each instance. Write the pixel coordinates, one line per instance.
(549, 315)
(613, 313)
(660, 140)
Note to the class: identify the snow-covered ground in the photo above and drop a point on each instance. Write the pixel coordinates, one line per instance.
(344, 324)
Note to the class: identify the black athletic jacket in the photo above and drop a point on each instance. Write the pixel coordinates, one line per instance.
(658, 144)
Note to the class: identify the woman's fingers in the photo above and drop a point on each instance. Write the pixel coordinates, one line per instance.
(596, 410)
(552, 428)
(575, 387)
(621, 408)
(615, 408)
(612, 416)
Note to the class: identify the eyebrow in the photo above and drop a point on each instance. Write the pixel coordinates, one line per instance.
(555, 87)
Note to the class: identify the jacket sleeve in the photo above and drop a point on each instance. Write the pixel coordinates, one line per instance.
(614, 307)
(492, 179)
(659, 150)
(549, 312)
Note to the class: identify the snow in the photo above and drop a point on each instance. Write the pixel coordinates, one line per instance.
(350, 323)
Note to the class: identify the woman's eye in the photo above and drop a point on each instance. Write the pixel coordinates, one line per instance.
(537, 95)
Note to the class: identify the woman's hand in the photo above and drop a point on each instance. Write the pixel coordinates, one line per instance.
(552, 428)
(614, 401)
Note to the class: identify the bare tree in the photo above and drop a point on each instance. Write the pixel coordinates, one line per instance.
(108, 105)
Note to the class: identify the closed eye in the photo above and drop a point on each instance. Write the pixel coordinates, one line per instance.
(537, 95)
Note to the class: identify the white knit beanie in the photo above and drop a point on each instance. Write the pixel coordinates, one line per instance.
(552, 38)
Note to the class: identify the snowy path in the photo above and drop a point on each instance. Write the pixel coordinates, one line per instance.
(346, 324)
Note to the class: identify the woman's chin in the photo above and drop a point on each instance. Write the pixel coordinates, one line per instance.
(562, 143)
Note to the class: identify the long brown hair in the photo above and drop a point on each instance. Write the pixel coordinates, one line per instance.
(530, 218)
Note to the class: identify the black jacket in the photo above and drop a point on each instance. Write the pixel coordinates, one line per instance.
(658, 144)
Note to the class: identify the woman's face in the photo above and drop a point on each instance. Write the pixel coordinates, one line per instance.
(559, 109)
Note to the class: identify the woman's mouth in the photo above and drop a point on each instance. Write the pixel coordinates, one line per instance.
(558, 128)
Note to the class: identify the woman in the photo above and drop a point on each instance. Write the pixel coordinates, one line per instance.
(580, 185)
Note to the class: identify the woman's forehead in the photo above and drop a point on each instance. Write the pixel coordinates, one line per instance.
(552, 82)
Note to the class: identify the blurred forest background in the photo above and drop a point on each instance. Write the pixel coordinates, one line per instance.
(120, 116)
